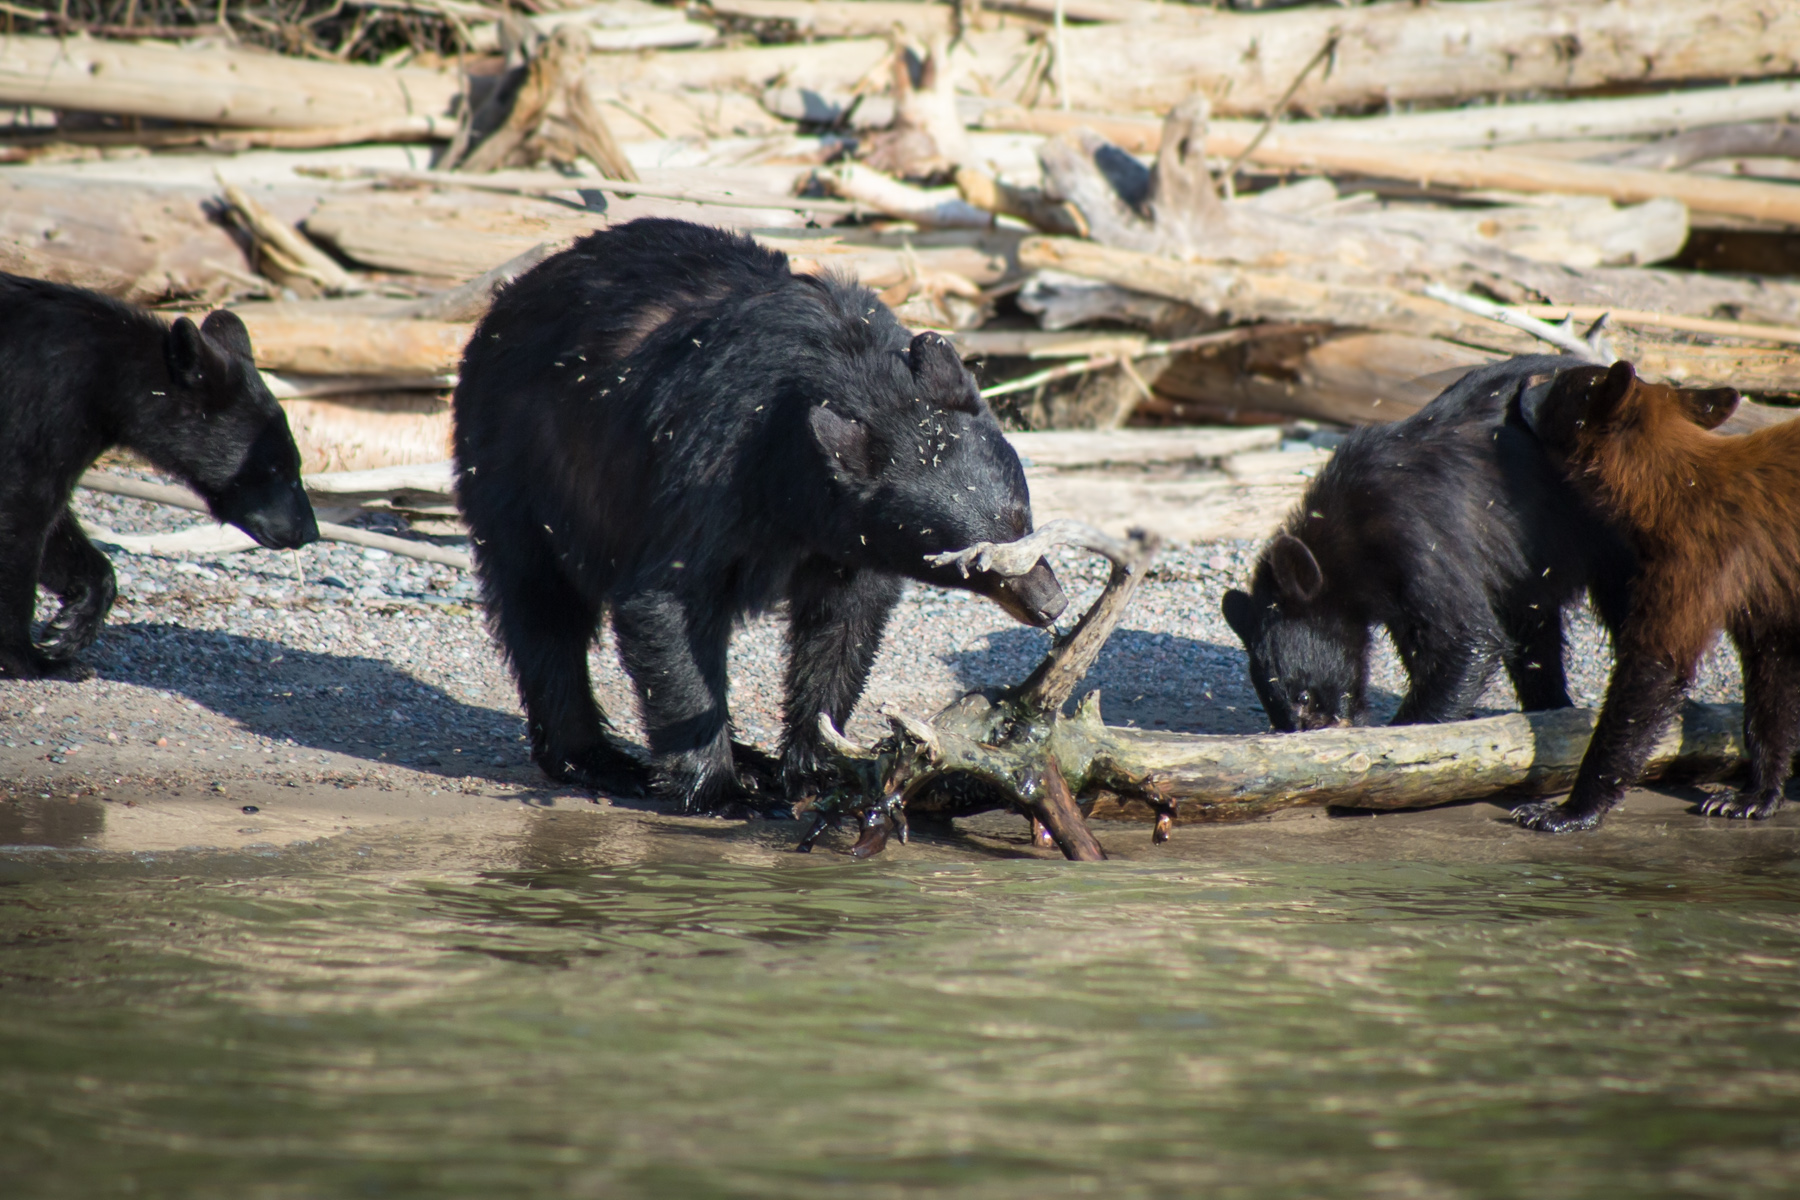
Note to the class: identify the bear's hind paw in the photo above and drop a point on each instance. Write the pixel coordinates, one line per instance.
(1754, 806)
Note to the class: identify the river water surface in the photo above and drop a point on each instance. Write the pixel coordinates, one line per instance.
(706, 1015)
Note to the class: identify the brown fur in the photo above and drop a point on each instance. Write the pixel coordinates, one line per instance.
(1715, 521)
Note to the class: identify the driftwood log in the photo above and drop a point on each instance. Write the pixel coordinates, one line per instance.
(1015, 748)
(216, 86)
(1392, 53)
(1474, 127)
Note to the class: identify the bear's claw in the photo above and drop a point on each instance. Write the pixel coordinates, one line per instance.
(1754, 806)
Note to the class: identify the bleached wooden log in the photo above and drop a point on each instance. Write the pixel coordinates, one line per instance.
(1510, 171)
(1475, 126)
(370, 430)
(1242, 294)
(1392, 53)
(1386, 768)
(353, 345)
(1350, 378)
(1172, 209)
(823, 66)
(935, 208)
(216, 539)
(140, 243)
(213, 86)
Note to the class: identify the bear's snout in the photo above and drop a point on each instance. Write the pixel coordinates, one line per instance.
(1034, 598)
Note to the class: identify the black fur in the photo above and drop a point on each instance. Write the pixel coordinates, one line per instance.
(665, 422)
(81, 373)
(1453, 529)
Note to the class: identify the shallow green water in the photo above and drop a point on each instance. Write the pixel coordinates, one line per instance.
(328, 1026)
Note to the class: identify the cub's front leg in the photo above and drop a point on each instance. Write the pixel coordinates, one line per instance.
(77, 573)
(1640, 699)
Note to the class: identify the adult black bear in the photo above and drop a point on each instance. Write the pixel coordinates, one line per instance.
(665, 422)
(1716, 524)
(1455, 530)
(80, 373)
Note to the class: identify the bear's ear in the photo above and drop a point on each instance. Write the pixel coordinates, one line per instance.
(1297, 572)
(1708, 408)
(1555, 406)
(225, 330)
(1619, 383)
(845, 443)
(1240, 614)
(939, 374)
(185, 352)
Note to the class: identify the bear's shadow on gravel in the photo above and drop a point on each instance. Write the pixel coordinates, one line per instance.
(1150, 680)
(361, 706)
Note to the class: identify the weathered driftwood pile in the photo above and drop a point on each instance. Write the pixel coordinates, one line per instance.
(1145, 213)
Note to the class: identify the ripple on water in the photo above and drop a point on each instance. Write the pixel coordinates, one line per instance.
(992, 1029)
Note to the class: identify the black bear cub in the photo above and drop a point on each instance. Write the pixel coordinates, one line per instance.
(1453, 529)
(81, 373)
(665, 423)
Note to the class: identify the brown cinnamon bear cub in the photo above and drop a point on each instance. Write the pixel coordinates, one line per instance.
(1716, 524)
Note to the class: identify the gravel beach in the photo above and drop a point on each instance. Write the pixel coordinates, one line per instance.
(337, 664)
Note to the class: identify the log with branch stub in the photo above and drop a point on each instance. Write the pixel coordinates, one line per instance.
(1014, 748)
(540, 111)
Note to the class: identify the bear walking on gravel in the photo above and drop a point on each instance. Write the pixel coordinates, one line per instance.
(81, 373)
(664, 422)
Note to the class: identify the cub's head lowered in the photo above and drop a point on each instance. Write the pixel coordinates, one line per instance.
(1308, 659)
(921, 461)
(216, 427)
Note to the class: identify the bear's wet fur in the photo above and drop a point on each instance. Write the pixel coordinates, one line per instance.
(666, 424)
(1455, 530)
(81, 373)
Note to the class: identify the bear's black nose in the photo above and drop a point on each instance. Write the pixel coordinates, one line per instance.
(1034, 598)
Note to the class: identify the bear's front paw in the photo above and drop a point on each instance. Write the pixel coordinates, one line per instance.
(1548, 816)
(1754, 806)
(34, 664)
(73, 629)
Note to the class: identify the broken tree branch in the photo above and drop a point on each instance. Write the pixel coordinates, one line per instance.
(1591, 346)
